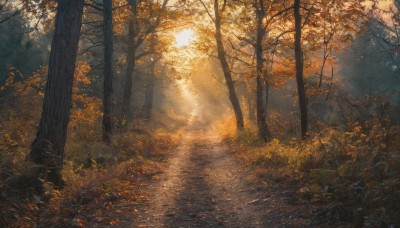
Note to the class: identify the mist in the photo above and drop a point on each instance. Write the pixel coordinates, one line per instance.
(202, 113)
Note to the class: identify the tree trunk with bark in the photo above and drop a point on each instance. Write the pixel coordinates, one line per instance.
(299, 70)
(130, 66)
(261, 81)
(149, 93)
(108, 70)
(250, 102)
(226, 69)
(47, 149)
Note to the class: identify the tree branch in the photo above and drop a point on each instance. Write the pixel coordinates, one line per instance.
(10, 16)
(208, 12)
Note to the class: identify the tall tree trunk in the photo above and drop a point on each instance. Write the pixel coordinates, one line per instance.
(299, 70)
(47, 149)
(250, 102)
(130, 66)
(149, 93)
(261, 105)
(226, 70)
(108, 70)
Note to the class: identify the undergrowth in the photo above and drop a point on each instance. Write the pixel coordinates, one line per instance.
(353, 170)
(91, 169)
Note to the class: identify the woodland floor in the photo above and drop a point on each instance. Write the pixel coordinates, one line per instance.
(200, 184)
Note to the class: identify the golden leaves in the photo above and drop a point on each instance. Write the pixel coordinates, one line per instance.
(81, 73)
(120, 16)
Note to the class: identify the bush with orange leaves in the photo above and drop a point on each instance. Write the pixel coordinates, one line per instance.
(352, 168)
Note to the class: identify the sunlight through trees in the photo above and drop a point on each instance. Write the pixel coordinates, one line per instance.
(104, 100)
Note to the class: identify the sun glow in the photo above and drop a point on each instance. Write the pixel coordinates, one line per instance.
(184, 37)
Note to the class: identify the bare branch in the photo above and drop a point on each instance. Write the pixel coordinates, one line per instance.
(10, 16)
(208, 12)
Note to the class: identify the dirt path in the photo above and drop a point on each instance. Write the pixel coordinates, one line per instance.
(204, 186)
(200, 184)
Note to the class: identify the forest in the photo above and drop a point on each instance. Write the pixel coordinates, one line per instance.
(200, 113)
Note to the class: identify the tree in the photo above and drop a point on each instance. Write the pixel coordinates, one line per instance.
(225, 65)
(248, 91)
(130, 62)
(47, 149)
(373, 73)
(108, 70)
(261, 71)
(386, 30)
(269, 33)
(136, 38)
(17, 50)
(299, 70)
(263, 36)
(149, 92)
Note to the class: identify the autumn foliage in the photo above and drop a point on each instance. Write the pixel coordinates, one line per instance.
(304, 93)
